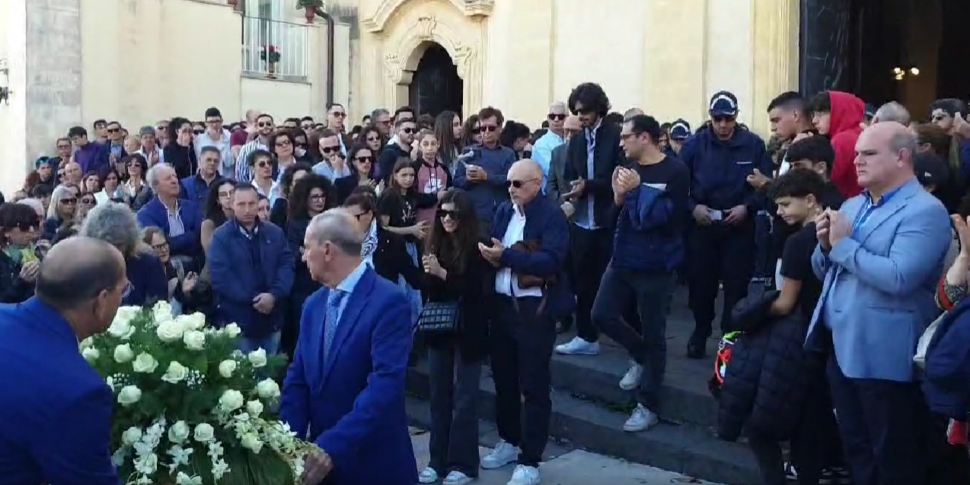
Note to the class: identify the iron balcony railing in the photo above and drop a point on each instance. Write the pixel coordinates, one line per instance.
(290, 40)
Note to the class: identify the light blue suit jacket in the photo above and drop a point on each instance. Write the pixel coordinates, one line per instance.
(350, 400)
(877, 294)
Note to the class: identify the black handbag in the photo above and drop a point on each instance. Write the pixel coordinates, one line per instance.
(439, 317)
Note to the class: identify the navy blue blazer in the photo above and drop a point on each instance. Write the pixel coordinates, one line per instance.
(56, 410)
(546, 224)
(352, 403)
(154, 213)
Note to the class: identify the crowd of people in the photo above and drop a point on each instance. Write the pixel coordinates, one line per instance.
(833, 245)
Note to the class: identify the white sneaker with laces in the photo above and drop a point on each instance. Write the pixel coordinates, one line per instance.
(578, 346)
(456, 478)
(525, 475)
(503, 454)
(641, 419)
(632, 377)
(428, 475)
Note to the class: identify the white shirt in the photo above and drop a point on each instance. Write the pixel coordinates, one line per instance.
(505, 282)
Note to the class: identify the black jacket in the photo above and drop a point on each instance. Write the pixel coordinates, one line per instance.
(607, 155)
(469, 289)
(13, 289)
(768, 376)
(391, 259)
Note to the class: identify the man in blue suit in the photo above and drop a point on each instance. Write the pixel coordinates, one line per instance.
(56, 425)
(345, 389)
(880, 257)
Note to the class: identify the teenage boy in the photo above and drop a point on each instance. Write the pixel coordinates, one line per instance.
(816, 154)
(815, 448)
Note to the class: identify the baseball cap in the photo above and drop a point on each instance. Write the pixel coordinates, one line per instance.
(680, 130)
(146, 130)
(42, 161)
(724, 103)
(930, 169)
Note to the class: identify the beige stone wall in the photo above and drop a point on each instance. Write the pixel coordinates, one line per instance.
(667, 56)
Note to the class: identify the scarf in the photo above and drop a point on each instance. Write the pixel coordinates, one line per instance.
(21, 255)
(370, 245)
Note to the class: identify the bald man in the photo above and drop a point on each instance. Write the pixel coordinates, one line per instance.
(530, 294)
(884, 251)
(57, 410)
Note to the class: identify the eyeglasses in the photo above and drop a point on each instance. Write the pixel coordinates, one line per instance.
(198, 131)
(161, 247)
(556, 116)
(364, 159)
(518, 183)
(213, 121)
(27, 226)
(68, 201)
(283, 143)
(317, 197)
(60, 174)
(339, 114)
(442, 213)
(329, 150)
(306, 126)
(489, 128)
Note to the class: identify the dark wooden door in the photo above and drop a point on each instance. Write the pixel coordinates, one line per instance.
(826, 46)
(435, 86)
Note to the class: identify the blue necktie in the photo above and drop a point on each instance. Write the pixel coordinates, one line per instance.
(332, 316)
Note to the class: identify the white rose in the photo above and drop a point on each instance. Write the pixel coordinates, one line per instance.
(257, 358)
(254, 407)
(144, 363)
(194, 340)
(204, 432)
(131, 436)
(268, 389)
(123, 353)
(251, 441)
(176, 373)
(147, 464)
(110, 381)
(231, 400)
(129, 395)
(86, 343)
(195, 321)
(232, 330)
(121, 326)
(162, 311)
(179, 432)
(170, 331)
(226, 368)
(90, 354)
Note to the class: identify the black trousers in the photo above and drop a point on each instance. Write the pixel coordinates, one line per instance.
(591, 253)
(454, 410)
(522, 344)
(718, 253)
(884, 428)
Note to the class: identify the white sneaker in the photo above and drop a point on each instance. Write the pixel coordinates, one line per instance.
(632, 377)
(428, 475)
(642, 419)
(456, 478)
(503, 454)
(525, 475)
(578, 346)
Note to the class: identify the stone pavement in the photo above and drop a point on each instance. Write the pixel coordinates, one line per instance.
(576, 467)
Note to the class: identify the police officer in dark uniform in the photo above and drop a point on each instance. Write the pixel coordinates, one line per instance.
(721, 246)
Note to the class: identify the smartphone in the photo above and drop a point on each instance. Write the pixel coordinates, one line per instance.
(717, 216)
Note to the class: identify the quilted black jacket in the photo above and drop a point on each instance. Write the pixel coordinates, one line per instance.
(767, 378)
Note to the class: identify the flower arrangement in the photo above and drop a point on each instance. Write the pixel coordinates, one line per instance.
(191, 408)
(270, 54)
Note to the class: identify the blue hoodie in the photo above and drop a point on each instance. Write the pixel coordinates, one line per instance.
(489, 194)
(719, 169)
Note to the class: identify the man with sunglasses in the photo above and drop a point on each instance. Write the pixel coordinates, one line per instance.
(264, 130)
(721, 245)
(216, 136)
(482, 168)
(399, 147)
(554, 137)
(115, 142)
(951, 115)
(336, 115)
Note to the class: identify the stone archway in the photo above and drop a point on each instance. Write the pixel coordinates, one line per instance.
(406, 28)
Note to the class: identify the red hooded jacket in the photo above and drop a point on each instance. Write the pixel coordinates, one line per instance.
(845, 125)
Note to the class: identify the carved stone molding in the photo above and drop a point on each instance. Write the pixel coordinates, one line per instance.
(425, 27)
(469, 8)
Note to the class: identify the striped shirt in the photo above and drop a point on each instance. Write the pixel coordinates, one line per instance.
(244, 173)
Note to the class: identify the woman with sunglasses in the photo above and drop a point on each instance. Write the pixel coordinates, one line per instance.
(361, 168)
(370, 136)
(85, 202)
(283, 145)
(455, 273)
(19, 256)
(136, 190)
(61, 211)
(311, 196)
(471, 133)
(279, 210)
(261, 167)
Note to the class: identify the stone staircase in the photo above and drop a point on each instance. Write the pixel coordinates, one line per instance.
(589, 408)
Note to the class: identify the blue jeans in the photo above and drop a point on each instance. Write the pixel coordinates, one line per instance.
(413, 295)
(269, 343)
(650, 291)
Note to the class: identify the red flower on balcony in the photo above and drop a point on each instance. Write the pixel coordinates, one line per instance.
(270, 54)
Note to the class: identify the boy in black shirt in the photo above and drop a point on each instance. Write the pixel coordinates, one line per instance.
(816, 154)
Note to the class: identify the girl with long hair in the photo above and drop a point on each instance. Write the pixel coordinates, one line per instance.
(431, 175)
(218, 210)
(448, 131)
(284, 186)
(471, 133)
(60, 212)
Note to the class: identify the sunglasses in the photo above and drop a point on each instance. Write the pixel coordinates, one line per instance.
(68, 201)
(329, 150)
(87, 201)
(28, 226)
(556, 117)
(283, 143)
(306, 126)
(489, 128)
(338, 114)
(198, 131)
(113, 130)
(408, 130)
(161, 127)
(442, 213)
(722, 119)
(61, 174)
(264, 125)
(364, 159)
(518, 183)
(262, 163)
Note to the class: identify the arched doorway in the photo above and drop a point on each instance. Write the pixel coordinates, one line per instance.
(435, 84)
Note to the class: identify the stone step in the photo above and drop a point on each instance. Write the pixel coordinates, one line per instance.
(682, 448)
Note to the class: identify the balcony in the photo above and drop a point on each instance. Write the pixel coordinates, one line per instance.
(291, 41)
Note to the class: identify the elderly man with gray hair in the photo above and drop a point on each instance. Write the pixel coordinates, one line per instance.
(346, 383)
(114, 223)
(554, 137)
(180, 219)
(892, 111)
